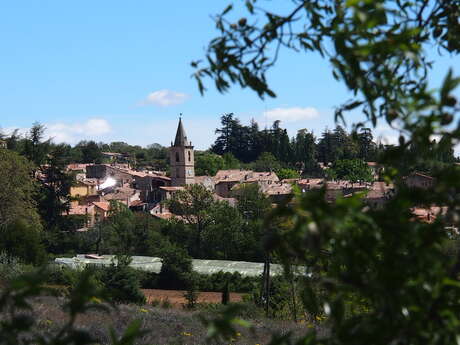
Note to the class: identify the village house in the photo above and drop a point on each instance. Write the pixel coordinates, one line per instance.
(379, 194)
(308, 183)
(78, 168)
(85, 211)
(121, 174)
(428, 214)
(118, 158)
(419, 180)
(277, 191)
(83, 187)
(149, 186)
(101, 210)
(124, 195)
(3, 144)
(206, 181)
(225, 180)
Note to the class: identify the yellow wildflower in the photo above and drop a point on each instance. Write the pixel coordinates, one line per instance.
(95, 300)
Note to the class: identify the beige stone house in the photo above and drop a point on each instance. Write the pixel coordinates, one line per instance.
(225, 180)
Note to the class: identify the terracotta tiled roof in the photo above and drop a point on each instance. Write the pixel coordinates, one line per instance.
(290, 180)
(311, 182)
(155, 176)
(77, 166)
(137, 203)
(429, 214)
(164, 215)
(379, 190)
(103, 205)
(261, 176)
(201, 179)
(236, 175)
(126, 170)
(87, 181)
(171, 189)
(231, 201)
(416, 173)
(113, 154)
(80, 210)
(277, 189)
(134, 172)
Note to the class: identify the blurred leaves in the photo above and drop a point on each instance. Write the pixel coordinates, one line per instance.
(224, 326)
(379, 276)
(377, 48)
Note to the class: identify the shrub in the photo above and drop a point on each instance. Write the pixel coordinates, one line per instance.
(191, 296)
(225, 295)
(10, 267)
(148, 280)
(236, 282)
(122, 283)
(176, 269)
(61, 275)
(23, 241)
(166, 304)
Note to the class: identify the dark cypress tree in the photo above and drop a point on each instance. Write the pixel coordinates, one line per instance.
(226, 294)
(325, 147)
(54, 196)
(227, 139)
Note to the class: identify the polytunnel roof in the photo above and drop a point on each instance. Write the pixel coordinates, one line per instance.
(153, 264)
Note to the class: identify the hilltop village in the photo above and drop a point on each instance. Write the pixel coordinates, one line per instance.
(98, 185)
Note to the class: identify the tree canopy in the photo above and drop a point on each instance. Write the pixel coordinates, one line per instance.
(353, 170)
(18, 189)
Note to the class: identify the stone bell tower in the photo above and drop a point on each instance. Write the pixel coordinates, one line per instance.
(182, 159)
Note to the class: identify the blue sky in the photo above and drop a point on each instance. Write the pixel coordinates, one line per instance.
(120, 71)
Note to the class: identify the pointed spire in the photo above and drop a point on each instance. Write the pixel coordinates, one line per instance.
(181, 137)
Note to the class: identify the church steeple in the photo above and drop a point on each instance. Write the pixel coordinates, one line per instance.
(181, 137)
(181, 158)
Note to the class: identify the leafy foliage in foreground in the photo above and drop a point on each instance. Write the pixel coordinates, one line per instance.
(383, 261)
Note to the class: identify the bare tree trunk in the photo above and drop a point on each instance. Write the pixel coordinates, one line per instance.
(267, 285)
(262, 286)
(293, 295)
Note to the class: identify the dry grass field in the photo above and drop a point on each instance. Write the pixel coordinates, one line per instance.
(166, 326)
(177, 300)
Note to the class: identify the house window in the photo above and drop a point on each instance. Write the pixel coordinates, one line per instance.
(189, 156)
(177, 172)
(177, 156)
